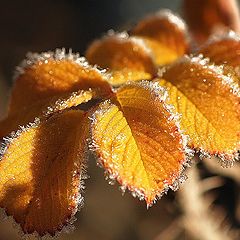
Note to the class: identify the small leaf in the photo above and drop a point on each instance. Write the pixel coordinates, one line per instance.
(165, 33)
(205, 17)
(138, 141)
(208, 101)
(42, 109)
(41, 173)
(50, 74)
(127, 57)
(223, 49)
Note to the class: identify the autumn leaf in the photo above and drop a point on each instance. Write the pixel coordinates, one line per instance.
(138, 142)
(205, 17)
(42, 167)
(165, 34)
(208, 101)
(128, 58)
(49, 74)
(223, 49)
(42, 109)
(135, 129)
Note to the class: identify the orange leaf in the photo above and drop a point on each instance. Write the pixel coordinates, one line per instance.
(166, 34)
(138, 141)
(41, 171)
(127, 57)
(51, 74)
(223, 49)
(42, 109)
(208, 101)
(205, 17)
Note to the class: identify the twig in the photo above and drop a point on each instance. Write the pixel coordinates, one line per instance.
(198, 220)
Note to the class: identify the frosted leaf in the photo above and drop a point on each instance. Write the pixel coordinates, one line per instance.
(58, 55)
(173, 18)
(228, 35)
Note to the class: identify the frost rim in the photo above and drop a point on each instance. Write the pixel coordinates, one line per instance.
(59, 54)
(124, 37)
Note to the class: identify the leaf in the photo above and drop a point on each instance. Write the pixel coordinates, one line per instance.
(209, 104)
(42, 109)
(42, 171)
(165, 33)
(127, 57)
(51, 74)
(223, 49)
(205, 17)
(138, 142)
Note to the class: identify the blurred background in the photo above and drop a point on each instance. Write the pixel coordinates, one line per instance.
(45, 25)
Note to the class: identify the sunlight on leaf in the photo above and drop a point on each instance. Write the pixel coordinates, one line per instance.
(49, 74)
(138, 141)
(42, 109)
(205, 17)
(166, 34)
(209, 104)
(127, 57)
(41, 172)
(224, 49)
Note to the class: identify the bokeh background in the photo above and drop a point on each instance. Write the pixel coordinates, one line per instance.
(38, 26)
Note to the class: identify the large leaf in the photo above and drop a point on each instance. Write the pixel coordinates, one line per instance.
(52, 74)
(165, 33)
(127, 57)
(138, 140)
(208, 101)
(41, 169)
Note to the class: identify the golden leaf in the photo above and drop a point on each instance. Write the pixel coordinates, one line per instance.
(41, 169)
(128, 58)
(208, 101)
(42, 109)
(137, 140)
(205, 17)
(165, 33)
(224, 49)
(51, 74)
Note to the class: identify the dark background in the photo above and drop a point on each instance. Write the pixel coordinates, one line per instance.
(46, 25)
(38, 26)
